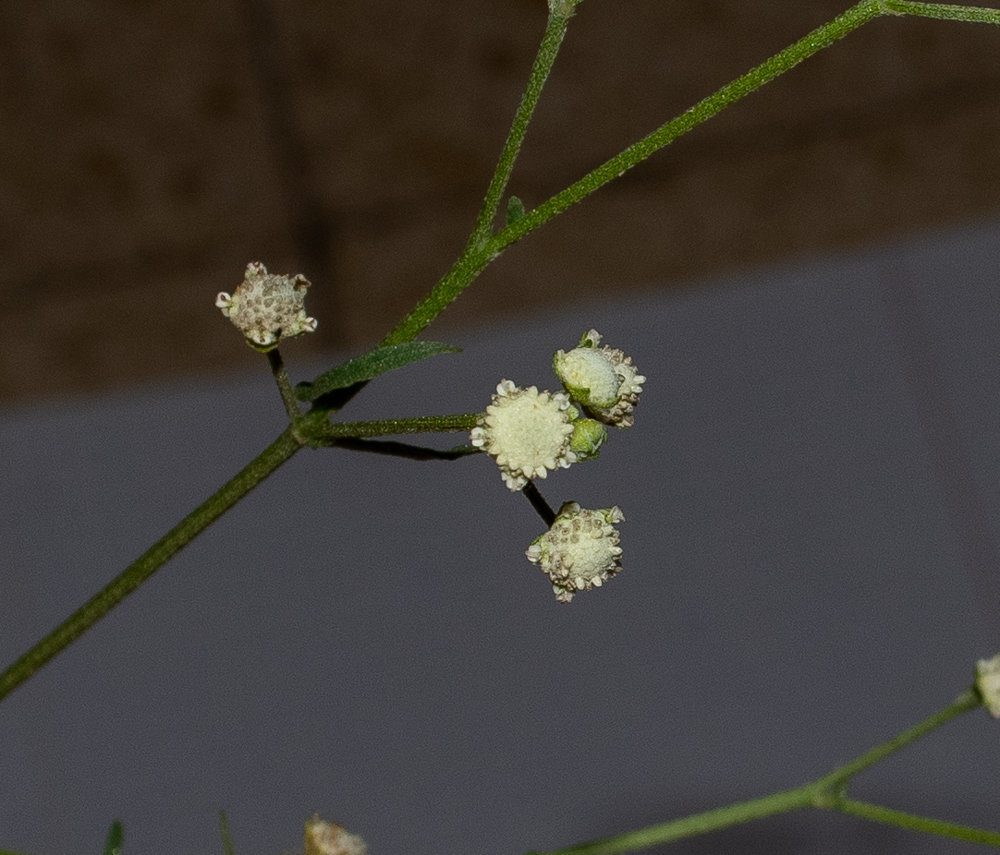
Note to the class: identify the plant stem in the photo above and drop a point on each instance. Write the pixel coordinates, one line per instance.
(392, 427)
(689, 826)
(827, 793)
(284, 385)
(877, 813)
(546, 57)
(971, 14)
(968, 700)
(791, 56)
(542, 507)
(476, 257)
(162, 551)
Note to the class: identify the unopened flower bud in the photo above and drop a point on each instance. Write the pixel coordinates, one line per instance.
(603, 380)
(587, 437)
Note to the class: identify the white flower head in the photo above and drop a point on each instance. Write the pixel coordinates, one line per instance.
(603, 380)
(988, 683)
(526, 431)
(580, 550)
(267, 308)
(329, 838)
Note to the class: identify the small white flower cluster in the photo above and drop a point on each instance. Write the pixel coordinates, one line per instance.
(530, 433)
(267, 308)
(988, 683)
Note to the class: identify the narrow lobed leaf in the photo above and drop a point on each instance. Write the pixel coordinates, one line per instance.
(116, 838)
(378, 361)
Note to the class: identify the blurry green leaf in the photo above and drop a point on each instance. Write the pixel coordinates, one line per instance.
(116, 837)
(227, 841)
(515, 210)
(379, 361)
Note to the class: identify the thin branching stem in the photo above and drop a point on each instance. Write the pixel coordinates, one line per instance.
(827, 792)
(546, 57)
(155, 557)
(912, 822)
(475, 257)
(394, 427)
(968, 700)
(943, 12)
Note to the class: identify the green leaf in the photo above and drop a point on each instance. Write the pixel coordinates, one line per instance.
(378, 361)
(116, 837)
(227, 841)
(515, 210)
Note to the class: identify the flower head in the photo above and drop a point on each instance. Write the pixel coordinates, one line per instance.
(603, 380)
(526, 431)
(580, 550)
(266, 307)
(329, 838)
(988, 683)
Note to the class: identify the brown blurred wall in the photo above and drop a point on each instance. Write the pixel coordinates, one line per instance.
(151, 149)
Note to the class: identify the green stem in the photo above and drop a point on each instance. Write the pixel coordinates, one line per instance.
(877, 813)
(824, 793)
(162, 551)
(392, 427)
(968, 700)
(690, 826)
(475, 257)
(284, 384)
(546, 57)
(791, 56)
(970, 14)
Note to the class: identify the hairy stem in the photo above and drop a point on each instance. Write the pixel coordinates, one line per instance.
(392, 427)
(941, 11)
(284, 384)
(158, 554)
(827, 792)
(547, 51)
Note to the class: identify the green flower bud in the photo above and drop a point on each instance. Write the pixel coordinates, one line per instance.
(587, 437)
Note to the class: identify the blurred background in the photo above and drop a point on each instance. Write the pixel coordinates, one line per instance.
(151, 148)
(812, 489)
